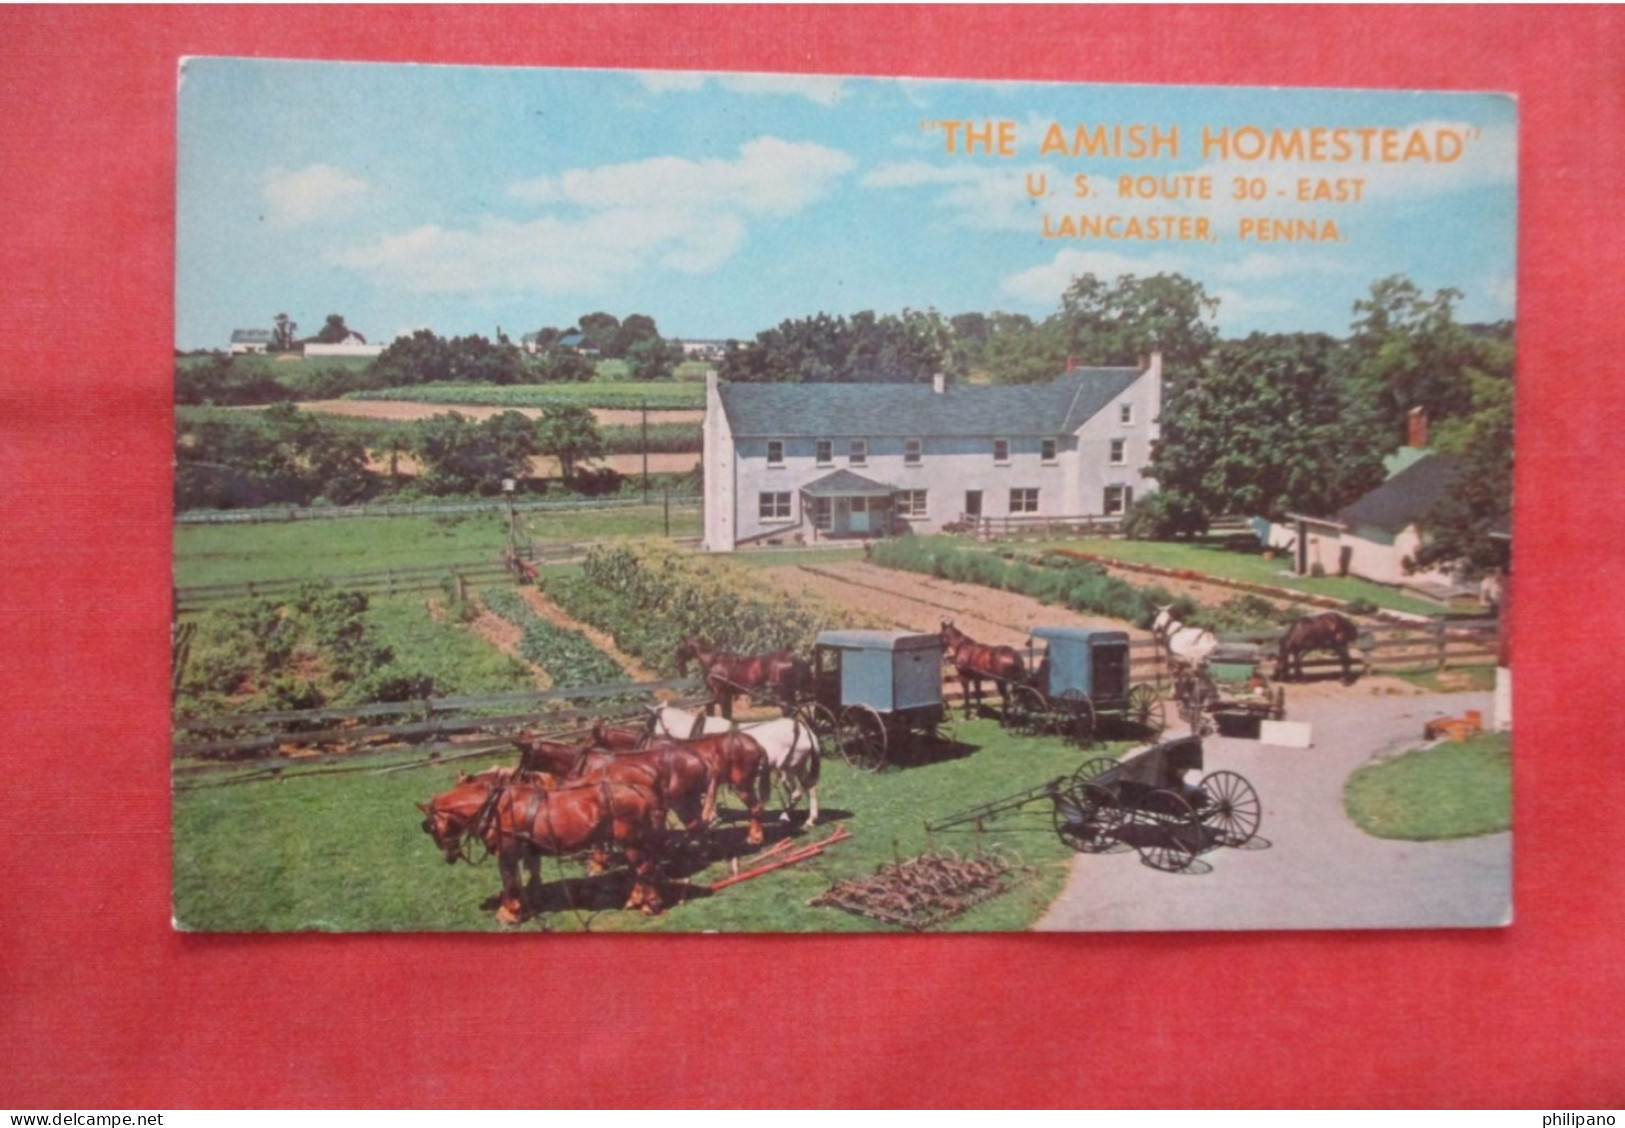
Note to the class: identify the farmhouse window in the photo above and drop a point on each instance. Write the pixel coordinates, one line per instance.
(1024, 501)
(826, 452)
(773, 506)
(1118, 499)
(1119, 452)
(823, 514)
(775, 452)
(1125, 413)
(1001, 452)
(911, 503)
(912, 451)
(1047, 451)
(858, 452)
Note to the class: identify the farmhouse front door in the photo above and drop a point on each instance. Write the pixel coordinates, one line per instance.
(860, 515)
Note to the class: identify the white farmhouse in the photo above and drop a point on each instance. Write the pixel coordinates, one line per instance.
(809, 462)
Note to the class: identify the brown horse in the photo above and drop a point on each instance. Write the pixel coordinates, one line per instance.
(727, 674)
(974, 661)
(1329, 631)
(680, 777)
(731, 758)
(520, 822)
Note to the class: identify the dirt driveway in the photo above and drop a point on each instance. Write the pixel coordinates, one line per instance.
(1312, 868)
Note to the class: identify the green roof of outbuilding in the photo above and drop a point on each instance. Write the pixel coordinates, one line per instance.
(916, 410)
(1406, 497)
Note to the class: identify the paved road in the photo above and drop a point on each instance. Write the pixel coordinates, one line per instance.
(1318, 870)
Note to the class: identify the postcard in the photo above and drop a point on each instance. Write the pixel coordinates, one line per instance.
(614, 500)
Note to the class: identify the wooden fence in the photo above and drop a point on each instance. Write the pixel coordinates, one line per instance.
(392, 581)
(231, 740)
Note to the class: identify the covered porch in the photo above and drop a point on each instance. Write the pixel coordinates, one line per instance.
(843, 505)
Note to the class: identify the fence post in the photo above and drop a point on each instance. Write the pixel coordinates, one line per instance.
(1439, 633)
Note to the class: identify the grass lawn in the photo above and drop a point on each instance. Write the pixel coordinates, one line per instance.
(210, 554)
(1446, 791)
(346, 852)
(1211, 558)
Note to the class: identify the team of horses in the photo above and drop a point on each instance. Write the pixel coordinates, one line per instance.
(616, 792)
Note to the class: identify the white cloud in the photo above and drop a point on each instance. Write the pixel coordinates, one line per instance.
(1043, 284)
(770, 176)
(825, 90)
(606, 224)
(976, 196)
(311, 193)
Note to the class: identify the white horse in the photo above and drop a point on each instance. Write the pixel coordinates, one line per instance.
(791, 747)
(1191, 645)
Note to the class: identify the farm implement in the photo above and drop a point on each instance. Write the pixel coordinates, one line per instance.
(922, 892)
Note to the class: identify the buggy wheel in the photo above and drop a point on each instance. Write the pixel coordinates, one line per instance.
(1175, 834)
(862, 738)
(1231, 809)
(1087, 818)
(1145, 710)
(1092, 770)
(1027, 710)
(823, 724)
(1080, 717)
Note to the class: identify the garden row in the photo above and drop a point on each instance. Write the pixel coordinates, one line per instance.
(1082, 586)
(569, 657)
(650, 596)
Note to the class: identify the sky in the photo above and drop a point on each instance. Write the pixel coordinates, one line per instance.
(469, 199)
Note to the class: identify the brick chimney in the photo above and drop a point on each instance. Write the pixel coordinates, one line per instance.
(1071, 363)
(1416, 427)
(939, 383)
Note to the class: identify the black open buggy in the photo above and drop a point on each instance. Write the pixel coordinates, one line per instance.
(1080, 676)
(1143, 803)
(877, 694)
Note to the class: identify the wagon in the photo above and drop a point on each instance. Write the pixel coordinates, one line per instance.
(1144, 803)
(1228, 687)
(877, 693)
(1080, 676)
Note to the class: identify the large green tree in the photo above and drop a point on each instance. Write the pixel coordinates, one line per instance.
(1462, 530)
(460, 457)
(1265, 427)
(570, 434)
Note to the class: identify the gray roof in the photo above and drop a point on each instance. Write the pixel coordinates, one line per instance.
(915, 410)
(844, 483)
(1405, 498)
(251, 337)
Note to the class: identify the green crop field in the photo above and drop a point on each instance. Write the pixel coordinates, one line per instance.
(625, 394)
(216, 554)
(346, 851)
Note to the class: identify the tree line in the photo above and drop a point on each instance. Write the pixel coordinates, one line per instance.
(284, 456)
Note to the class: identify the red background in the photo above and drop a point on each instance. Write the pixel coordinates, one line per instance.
(102, 1005)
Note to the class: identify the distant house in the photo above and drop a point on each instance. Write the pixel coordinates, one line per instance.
(251, 341)
(830, 461)
(698, 349)
(354, 344)
(577, 341)
(1380, 532)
